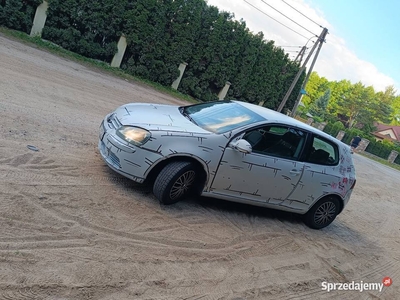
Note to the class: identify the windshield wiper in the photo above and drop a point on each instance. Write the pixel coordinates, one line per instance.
(185, 114)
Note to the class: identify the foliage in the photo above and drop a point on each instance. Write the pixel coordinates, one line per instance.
(89, 28)
(352, 132)
(317, 119)
(318, 108)
(161, 34)
(397, 160)
(380, 148)
(334, 128)
(17, 14)
(315, 88)
(354, 104)
(376, 108)
(92, 63)
(396, 111)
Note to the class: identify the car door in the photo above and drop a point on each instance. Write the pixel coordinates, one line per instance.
(269, 173)
(322, 173)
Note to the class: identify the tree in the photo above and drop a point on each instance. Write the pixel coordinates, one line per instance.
(396, 111)
(318, 108)
(389, 98)
(316, 87)
(353, 104)
(362, 105)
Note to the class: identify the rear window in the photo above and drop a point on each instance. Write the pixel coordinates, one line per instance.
(323, 152)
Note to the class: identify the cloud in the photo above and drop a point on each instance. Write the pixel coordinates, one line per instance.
(335, 62)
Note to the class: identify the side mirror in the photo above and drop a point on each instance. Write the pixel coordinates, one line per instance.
(242, 146)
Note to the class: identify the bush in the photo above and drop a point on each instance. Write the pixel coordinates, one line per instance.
(397, 160)
(334, 128)
(161, 35)
(350, 133)
(89, 28)
(17, 14)
(380, 148)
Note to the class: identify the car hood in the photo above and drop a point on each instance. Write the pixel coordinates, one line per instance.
(156, 117)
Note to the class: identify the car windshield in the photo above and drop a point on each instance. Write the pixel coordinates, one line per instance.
(221, 116)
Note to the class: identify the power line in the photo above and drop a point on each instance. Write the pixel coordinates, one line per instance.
(275, 19)
(319, 43)
(288, 17)
(301, 13)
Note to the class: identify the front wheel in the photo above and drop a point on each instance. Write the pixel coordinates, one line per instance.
(322, 213)
(175, 182)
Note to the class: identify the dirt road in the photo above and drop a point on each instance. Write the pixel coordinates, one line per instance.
(73, 229)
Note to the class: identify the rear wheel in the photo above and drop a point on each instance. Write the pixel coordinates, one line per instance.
(175, 182)
(322, 213)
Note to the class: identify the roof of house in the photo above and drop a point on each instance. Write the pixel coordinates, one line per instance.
(382, 127)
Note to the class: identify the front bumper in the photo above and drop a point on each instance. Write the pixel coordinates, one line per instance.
(114, 162)
(128, 160)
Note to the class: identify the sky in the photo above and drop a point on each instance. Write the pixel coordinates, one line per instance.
(362, 44)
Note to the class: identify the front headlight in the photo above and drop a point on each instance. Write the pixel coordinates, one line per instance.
(133, 135)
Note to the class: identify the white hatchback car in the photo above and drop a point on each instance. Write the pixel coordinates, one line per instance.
(230, 150)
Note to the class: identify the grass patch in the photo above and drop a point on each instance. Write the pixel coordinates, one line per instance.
(89, 62)
(380, 160)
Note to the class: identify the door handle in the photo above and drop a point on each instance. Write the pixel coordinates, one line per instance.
(295, 172)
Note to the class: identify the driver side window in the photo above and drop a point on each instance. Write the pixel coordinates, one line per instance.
(276, 140)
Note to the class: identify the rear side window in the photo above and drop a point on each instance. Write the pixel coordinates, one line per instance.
(323, 152)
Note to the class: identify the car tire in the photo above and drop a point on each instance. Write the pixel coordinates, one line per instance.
(322, 213)
(175, 182)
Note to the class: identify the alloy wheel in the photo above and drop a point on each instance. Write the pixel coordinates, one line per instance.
(182, 184)
(325, 213)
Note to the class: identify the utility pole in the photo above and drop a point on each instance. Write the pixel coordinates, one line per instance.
(301, 54)
(303, 86)
(320, 40)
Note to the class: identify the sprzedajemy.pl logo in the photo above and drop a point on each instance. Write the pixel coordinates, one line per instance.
(356, 286)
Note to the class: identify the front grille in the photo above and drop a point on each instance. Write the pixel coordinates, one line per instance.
(110, 156)
(114, 159)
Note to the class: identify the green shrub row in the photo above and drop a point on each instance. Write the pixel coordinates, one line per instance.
(17, 14)
(163, 34)
(397, 160)
(334, 128)
(381, 149)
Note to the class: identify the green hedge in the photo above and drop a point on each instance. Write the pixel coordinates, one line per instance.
(350, 133)
(163, 34)
(89, 28)
(334, 128)
(397, 160)
(18, 14)
(379, 148)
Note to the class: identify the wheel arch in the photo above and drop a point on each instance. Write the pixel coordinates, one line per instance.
(160, 164)
(336, 196)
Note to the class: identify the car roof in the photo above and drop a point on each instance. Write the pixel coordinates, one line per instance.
(272, 115)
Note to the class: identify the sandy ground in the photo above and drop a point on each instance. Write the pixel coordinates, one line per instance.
(70, 228)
